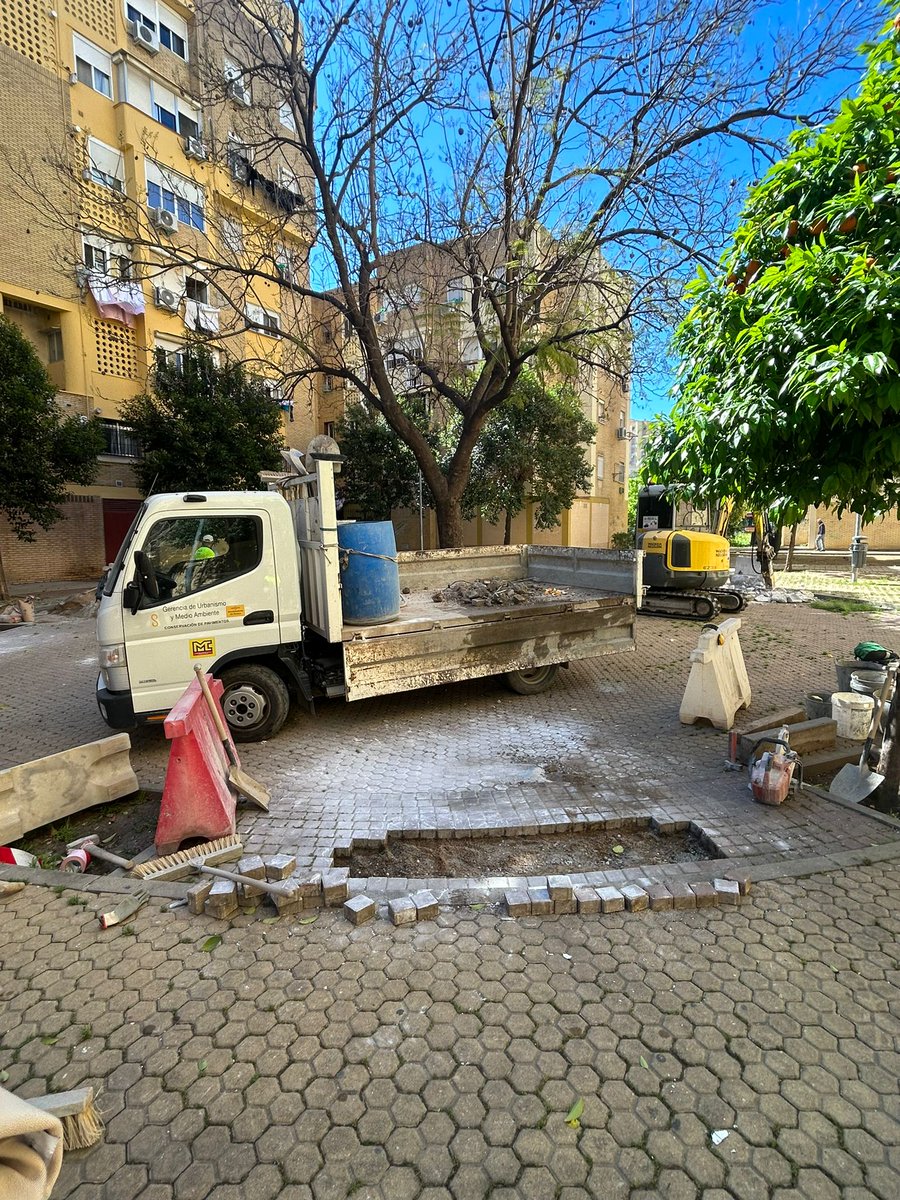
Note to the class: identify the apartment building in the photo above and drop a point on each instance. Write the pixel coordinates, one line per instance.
(147, 204)
(424, 310)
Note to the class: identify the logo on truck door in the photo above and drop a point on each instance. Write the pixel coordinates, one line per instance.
(203, 647)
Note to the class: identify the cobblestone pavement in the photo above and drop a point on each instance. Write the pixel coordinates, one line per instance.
(604, 743)
(747, 1052)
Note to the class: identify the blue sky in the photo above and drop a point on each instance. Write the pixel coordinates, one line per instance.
(650, 393)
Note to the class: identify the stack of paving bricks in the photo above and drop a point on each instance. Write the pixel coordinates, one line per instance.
(560, 896)
(223, 898)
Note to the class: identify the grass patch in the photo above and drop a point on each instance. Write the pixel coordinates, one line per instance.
(838, 604)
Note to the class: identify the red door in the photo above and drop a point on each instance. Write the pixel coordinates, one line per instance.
(117, 518)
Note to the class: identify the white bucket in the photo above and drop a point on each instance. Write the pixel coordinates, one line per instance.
(853, 714)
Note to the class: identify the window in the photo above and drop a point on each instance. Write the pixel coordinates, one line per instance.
(196, 553)
(236, 81)
(171, 29)
(284, 266)
(601, 467)
(263, 320)
(169, 354)
(106, 165)
(176, 194)
(232, 235)
(174, 113)
(120, 440)
(329, 428)
(286, 116)
(619, 473)
(54, 346)
(328, 383)
(103, 258)
(196, 289)
(455, 292)
(93, 66)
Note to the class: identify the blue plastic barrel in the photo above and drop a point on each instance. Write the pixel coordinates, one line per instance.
(370, 577)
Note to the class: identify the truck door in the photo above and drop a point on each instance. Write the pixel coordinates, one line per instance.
(217, 594)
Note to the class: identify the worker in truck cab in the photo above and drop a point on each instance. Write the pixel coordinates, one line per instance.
(205, 549)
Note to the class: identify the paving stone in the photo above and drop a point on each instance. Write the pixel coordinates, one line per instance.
(196, 896)
(359, 909)
(518, 903)
(427, 908)
(222, 901)
(541, 901)
(728, 891)
(636, 898)
(563, 907)
(682, 895)
(611, 899)
(402, 910)
(559, 887)
(287, 901)
(706, 895)
(279, 866)
(660, 897)
(587, 899)
(335, 886)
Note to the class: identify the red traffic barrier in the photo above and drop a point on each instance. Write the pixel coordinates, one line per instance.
(197, 801)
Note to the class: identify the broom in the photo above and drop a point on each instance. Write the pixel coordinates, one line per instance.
(81, 1122)
(180, 865)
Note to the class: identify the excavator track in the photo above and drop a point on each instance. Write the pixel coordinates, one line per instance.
(730, 601)
(682, 605)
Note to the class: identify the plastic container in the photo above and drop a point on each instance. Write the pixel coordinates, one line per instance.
(868, 683)
(818, 704)
(844, 667)
(370, 577)
(853, 714)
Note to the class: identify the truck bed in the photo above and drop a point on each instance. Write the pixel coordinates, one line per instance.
(440, 642)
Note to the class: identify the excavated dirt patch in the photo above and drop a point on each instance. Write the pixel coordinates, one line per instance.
(562, 853)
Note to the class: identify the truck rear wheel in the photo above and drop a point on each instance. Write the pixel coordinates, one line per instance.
(529, 683)
(255, 702)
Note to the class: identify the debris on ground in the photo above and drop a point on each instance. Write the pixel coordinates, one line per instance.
(483, 593)
(755, 589)
(19, 612)
(79, 604)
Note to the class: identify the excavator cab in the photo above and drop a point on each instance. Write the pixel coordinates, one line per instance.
(686, 567)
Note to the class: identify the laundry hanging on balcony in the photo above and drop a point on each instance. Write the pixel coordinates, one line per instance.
(202, 317)
(118, 300)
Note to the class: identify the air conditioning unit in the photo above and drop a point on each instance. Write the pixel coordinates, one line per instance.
(239, 166)
(163, 219)
(235, 90)
(195, 148)
(147, 37)
(164, 297)
(622, 433)
(82, 275)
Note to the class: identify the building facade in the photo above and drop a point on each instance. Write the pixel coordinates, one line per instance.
(137, 218)
(425, 311)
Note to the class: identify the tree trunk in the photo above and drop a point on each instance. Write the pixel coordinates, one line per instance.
(449, 523)
(4, 586)
(507, 529)
(789, 565)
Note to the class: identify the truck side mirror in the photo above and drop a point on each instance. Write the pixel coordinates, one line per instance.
(146, 575)
(132, 596)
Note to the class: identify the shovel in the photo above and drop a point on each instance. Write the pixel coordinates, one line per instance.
(855, 783)
(239, 779)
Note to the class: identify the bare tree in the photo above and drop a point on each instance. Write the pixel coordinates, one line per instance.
(486, 187)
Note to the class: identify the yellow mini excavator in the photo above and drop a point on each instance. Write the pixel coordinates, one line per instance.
(687, 568)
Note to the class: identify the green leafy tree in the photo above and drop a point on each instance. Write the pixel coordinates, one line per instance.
(531, 451)
(380, 472)
(40, 448)
(788, 391)
(204, 426)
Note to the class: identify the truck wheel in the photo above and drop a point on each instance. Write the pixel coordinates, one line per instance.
(255, 702)
(529, 683)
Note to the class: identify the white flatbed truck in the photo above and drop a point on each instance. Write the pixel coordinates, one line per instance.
(248, 584)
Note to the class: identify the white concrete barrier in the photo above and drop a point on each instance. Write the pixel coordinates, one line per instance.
(718, 685)
(51, 788)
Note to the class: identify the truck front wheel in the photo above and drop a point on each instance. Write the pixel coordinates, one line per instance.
(529, 683)
(255, 702)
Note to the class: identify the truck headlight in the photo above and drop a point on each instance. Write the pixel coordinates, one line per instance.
(112, 656)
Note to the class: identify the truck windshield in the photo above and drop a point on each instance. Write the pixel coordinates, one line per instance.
(116, 568)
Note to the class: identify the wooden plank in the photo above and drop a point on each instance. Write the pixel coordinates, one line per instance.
(784, 716)
(805, 737)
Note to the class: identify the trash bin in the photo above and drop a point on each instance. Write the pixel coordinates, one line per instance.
(859, 548)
